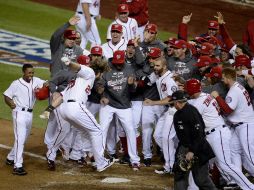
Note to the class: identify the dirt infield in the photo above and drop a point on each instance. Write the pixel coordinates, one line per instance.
(68, 175)
(168, 13)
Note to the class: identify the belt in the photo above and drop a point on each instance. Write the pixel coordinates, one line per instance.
(214, 129)
(236, 124)
(74, 101)
(79, 12)
(71, 100)
(27, 109)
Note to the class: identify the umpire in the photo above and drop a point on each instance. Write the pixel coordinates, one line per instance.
(189, 127)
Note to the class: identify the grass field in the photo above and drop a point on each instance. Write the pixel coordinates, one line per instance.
(40, 21)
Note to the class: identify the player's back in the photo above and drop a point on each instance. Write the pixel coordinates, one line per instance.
(209, 109)
(239, 100)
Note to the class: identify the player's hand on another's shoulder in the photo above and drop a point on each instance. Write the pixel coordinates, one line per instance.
(104, 101)
(214, 94)
(74, 20)
(148, 102)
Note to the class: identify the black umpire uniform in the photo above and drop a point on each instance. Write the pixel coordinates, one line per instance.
(189, 127)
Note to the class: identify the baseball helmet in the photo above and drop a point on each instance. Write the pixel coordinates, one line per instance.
(83, 60)
(192, 86)
(42, 93)
(242, 60)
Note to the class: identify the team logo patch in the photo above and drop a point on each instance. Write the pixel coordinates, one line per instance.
(174, 88)
(118, 56)
(228, 99)
(211, 24)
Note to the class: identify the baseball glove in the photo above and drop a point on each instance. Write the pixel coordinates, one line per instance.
(185, 165)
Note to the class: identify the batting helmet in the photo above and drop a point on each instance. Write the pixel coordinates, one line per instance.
(192, 86)
(242, 60)
(41, 93)
(83, 60)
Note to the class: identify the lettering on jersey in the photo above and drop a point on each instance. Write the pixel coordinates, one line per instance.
(71, 84)
(181, 68)
(228, 99)
(118, 81)
(208, 100)
(69, 53)
(247, 96)
(163, 87)
(88, 90)
(96, 4)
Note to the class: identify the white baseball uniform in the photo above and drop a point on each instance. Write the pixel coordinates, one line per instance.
(92, 35)
(108, 48)
(164, 131)
(22, 93)
(73, 109)
(242, 117)
(129, 28)
(219, 137)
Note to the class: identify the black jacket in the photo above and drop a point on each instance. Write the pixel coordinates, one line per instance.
(189, 127)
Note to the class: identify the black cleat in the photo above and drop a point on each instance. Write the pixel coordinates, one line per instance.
(19, 171)
(148, 162)
(81, 162)
(125, 159)
(9, 162)
(114, 156)
(51, 165)
(231, 187)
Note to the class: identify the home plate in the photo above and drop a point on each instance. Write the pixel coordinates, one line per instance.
(115, 180)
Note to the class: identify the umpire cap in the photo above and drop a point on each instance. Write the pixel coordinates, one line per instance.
(178, 95)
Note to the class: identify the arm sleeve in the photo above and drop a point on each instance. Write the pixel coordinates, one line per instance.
(171, 87)
(56, 38)
(86, 72)
(10, 92)
(224, 106)
(140, 58)
(226, 37)
(183, 31)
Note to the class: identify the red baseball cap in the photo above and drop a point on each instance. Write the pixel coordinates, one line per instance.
(200, 40)
(151, 28)
(118, 57)
(206, 48)
(130, 43)
(215, 72)
(154, 53)
(242, 60)
(170, 41)
(83, 60)
(117, 27)
(96, 50)
(70, 34)
(203, 61)
(213, 24)
(180, 44)
(123, 8)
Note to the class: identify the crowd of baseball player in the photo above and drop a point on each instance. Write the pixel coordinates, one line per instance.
(136, 85)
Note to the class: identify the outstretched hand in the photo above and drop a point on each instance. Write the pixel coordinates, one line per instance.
(186, 19)
(220, 18)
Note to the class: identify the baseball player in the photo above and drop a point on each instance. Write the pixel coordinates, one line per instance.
(20, 97)
(62, 44)
(239, 110)
(88, 11)
(216, 131)
(129, 25)
(117, 84)
(164, 130)
(73, 110)
(138, 9)
(116, 42)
